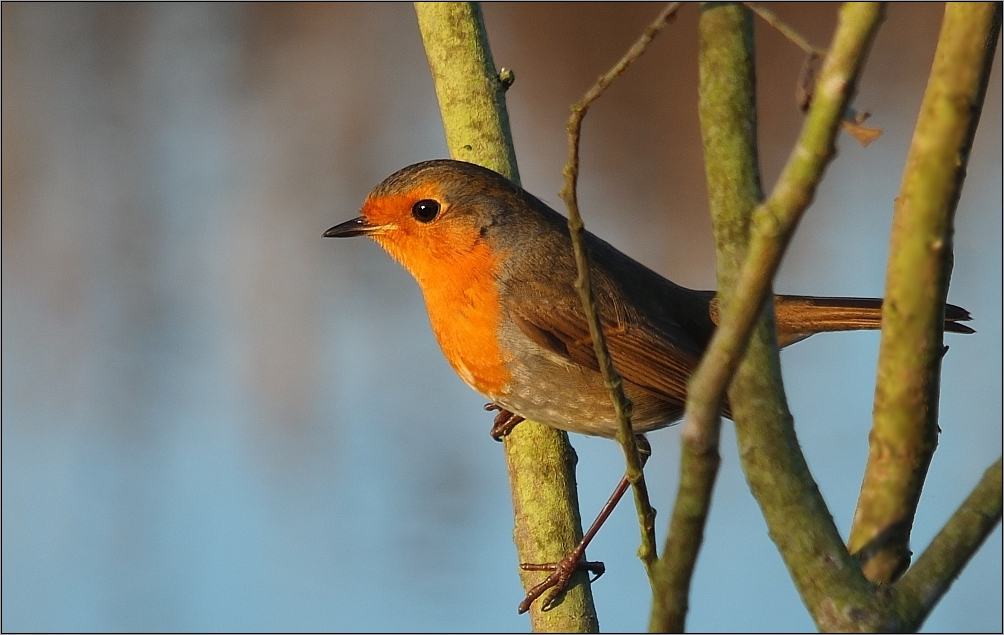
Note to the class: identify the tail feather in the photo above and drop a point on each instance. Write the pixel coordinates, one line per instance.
(799, 317)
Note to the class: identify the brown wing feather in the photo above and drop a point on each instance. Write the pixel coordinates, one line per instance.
(641, 357)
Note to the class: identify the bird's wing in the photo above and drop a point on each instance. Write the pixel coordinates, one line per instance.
(659, 362)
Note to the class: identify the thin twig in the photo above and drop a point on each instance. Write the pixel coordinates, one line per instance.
(793, 36)
(853, 120)
(622, 405)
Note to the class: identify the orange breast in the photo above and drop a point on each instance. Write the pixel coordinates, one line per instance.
(463, 303)
(456, 271)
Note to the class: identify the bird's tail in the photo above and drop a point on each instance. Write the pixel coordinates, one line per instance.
(799, 317)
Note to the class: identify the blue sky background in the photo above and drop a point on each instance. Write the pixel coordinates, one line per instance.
(215, 420)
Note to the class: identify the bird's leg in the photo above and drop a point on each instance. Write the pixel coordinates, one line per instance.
(561, 572)
(504, 422)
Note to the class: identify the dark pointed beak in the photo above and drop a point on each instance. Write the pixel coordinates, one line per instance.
(355, 227)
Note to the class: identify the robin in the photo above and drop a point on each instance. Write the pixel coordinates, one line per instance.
(496, 268)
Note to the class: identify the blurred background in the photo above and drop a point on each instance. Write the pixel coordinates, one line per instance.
(213, 419)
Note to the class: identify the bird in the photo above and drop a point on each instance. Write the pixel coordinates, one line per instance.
(497, 272)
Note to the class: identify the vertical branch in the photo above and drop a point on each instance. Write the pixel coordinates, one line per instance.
(540, 460)
(905, 428)
(727, 107)
(471, 94)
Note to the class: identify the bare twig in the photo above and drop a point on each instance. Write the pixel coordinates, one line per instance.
(622, 405)
(793, 36)
(853, 120)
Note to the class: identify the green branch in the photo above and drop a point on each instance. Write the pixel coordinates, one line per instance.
(471, 94)
(540, 460)
(905, 430)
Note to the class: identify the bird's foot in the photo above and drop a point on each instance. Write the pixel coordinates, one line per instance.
(504, 422)
(561, 575)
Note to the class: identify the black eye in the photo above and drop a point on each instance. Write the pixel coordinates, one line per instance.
(425, 211)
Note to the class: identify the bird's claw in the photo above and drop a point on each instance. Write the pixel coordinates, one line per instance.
(504, 422)
(557, 582)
